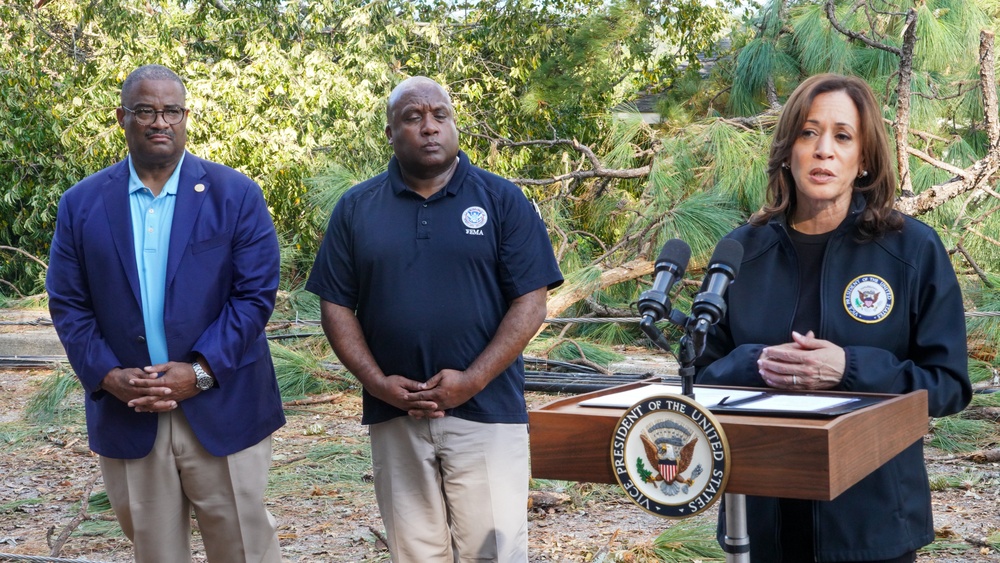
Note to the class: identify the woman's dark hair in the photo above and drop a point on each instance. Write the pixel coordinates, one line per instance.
(878, 187)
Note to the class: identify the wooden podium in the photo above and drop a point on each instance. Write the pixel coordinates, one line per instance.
(786, 456)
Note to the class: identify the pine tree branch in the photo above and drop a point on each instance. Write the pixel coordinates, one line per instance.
(975, 266)
(832, 16)
(960, 173)
(25, 253)
(597, 170)
(987, 78)
(902, 125)
(562, 300)
(13, 287)
(982, 171)
(922, 134)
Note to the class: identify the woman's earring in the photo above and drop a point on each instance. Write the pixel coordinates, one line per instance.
(863, 174)
(785, 165)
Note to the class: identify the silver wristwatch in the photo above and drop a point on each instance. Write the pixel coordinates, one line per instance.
(203, 381)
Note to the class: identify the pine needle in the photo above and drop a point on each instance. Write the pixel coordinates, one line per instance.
(52, 403)
(955, 434)
(687, 540)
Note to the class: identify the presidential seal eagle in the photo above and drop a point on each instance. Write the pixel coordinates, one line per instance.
(669, 448)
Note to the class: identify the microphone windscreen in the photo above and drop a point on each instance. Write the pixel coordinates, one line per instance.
(727, 253)
(677, 252)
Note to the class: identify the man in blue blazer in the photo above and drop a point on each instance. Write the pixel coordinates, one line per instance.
(162, 275)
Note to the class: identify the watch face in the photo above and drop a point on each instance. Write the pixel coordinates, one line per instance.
(203, 381)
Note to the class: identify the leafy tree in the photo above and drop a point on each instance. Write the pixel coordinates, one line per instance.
(282, 91)
(293, 95)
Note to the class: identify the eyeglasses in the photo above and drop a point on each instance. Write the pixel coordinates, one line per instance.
(146, 116)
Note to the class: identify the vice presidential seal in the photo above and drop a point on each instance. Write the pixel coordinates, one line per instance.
(671, 456)
(868, 298)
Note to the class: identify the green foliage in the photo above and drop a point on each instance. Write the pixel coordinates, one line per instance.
(640, 468)
(324, 463)
(17, 504)
(294, 94)
(993, 541)
(299, 372)
(57, 401)
(98, 502)
(957, 434)
(688, 540)
(568, 350)
(965, 480)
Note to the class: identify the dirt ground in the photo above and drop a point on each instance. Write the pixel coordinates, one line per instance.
(322, 497)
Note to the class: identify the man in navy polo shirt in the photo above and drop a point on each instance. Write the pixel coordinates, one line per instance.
(433, 277)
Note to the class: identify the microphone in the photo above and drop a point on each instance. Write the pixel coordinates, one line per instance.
(669, 268)
(709, 305)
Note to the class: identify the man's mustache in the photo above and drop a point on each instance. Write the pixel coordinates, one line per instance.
(166, 132)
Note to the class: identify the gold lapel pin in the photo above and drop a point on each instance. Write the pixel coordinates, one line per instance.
(199, 188)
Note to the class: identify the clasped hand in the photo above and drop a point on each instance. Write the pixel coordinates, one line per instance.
(448, 389)
(804, 363)
(145, 390)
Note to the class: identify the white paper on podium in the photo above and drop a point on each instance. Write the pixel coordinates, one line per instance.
(795, 403)
(709, 397)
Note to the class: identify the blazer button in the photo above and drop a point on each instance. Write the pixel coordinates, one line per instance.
(141, 339)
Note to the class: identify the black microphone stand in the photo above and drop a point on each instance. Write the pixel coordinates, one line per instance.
(689, 348)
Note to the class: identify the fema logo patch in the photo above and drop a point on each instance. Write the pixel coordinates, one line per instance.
(474, 217)
(671, 457)
(868, 298)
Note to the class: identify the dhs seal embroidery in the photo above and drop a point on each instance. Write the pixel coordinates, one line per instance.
(475, 219)
(868, 298)
(670, 456)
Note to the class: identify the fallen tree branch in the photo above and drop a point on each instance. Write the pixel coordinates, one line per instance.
(81, 515)
(979, 175)
(561, 300)
(313, 400)
(985, 456)
(25, 253)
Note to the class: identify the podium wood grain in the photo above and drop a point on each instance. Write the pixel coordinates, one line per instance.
(806, 458)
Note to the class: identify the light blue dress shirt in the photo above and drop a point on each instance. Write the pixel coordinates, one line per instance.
(152, 218)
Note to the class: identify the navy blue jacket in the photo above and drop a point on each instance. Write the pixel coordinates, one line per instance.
(222, 279)
(906, 334)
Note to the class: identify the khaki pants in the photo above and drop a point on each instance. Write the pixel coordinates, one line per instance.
(452, 490)
(153, 496)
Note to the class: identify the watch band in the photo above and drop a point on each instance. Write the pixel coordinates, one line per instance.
(203, 380)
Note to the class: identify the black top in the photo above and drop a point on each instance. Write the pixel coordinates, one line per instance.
(809, 250)
(431, 279)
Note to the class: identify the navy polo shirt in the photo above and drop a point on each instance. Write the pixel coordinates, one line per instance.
(431, 279)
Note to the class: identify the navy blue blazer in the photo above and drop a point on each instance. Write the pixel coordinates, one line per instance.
(221, 282)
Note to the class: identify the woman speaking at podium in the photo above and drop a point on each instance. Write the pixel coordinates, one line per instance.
(837, 291)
